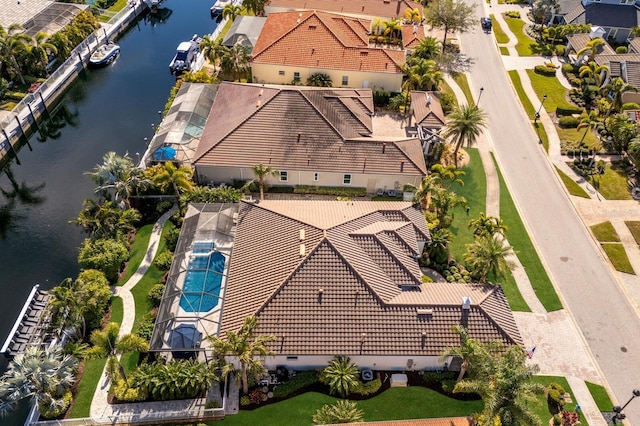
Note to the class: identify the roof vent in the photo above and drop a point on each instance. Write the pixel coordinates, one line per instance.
(466, 303)
(384, 147)
(362, 337)
(312, 27)
(260, 92)
(258, 103)
(424, 312)
(302, 235)
(320, 293)
(302, 250)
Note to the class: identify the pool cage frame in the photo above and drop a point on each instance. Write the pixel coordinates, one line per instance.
(211, 222)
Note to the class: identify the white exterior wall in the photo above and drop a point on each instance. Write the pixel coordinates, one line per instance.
(373, 182)
(374, 362)
(269, 73)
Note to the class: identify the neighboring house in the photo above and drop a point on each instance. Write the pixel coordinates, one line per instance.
(341, 278)
(412, 35)
(311, 135)
(427, 117)
(617, 17)
(244, 31)
(385, 9)
(577, 42)
(294, 45)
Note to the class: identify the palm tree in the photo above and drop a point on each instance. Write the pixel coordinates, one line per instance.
(506, 389)
(393, 28)
(437, 249)
(319, 79)
(486, 256)
(42, 375)
(591, 49)
(244, 346)
(231, 11)
(422, 74)
(617, 87)
(588, 121)
(212, 49)
(473, 353)
(593, 71)
(341, 375)
(235, 60)
(464, 125)
(487, 226)
(13, 41)
(42, 48)
(106, 220)
(428, 48)
(634, 150)
(412, 15)
(169, 176)
(262, 172)
(447, 176)
(108, 344)
(377, 26)
(255, 7)
(64, 307)
(340, 412)
(442, 201)
(622, 131)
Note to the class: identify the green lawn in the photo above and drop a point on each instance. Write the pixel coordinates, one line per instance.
(600, 396)
(634, 227)
(618, 257)
(541, 408)
(501, 36)
(504, 50)
(612, 184)
(522, 245)
(572, 186)
(462, 81)
(529, 109)
(550, 86)
(393, 404)
(86, 388)
(605, 232)
(570, 139)
(475, 191)
(138, 250)
(445, 88)
(117, 309)
(524, 41)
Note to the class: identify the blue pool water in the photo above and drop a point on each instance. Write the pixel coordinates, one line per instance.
(202, 282)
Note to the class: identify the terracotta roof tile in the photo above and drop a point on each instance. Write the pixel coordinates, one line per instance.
(348, 282)
(373, 8)
(323, 40)
(427, 110)
(412, 36)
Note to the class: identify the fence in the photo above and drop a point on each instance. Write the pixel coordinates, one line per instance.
(139, 418)
(31, 107)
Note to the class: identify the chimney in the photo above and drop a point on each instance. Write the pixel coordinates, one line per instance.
(384, 146)
(466, 303)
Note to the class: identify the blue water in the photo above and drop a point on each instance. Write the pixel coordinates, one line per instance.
(202, 282)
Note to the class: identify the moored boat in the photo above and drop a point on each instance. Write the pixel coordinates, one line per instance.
(105, 54)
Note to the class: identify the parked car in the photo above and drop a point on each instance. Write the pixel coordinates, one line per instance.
(486, 24)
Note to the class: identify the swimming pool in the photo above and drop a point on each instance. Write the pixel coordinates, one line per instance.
(202, 282)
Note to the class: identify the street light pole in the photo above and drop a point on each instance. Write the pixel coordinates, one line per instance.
(480, 95)
(619, 415)
(544, 98)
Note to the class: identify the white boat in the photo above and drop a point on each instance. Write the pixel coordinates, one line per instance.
(186, 55)
(105, 54)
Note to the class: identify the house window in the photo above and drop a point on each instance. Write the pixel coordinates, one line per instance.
(345, 80)
(296, 76)
(613, 32)
(281, 72)
(284, 176)
(346, 179)
(316, 176)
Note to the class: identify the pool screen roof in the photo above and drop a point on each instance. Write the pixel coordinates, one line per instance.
(182, 127)
(201, 257)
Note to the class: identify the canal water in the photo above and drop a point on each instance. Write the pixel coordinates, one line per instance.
(108, 109)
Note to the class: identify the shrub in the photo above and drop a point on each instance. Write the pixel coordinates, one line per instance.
(560, 111)
(124, 393)
(567, 68)
(448, 385)
(92, 292)
(433, 377)
(163, 260)
(212, 404)
(244, 400)
(105, 255)
(155, 294)
(145, 326)
(568, 122)
(554, 397)
(301, 380)
(381, 97)
(447, 101)
(255, 396)
(281, 189)
(368, 388)
(560, 50)
(545, 70)
(621, 50)
(330, 190)
(171, 239)
(513, 14)
(48, 413)
(630, 105)
(16, 96)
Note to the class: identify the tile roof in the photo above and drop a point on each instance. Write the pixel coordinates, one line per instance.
(302, 128)
(579, 41)
(373, 8)
(356, 288)
(412, 35)
(323, 40)
(633, 73)
(575, 15)
(427, 112)
(634, 45)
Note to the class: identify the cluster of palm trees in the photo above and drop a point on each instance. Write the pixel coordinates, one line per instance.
(233, 61)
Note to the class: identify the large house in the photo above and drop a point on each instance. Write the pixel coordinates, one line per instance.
(617, 17)
(310, 135)
(385, 9)
(294, 45)
(327, 278)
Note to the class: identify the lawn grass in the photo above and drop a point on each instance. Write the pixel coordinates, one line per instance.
(462, 81)
(634, 228)
(445, 88)
(522, 245)
(87, 387)
(600, 396)
(618, 257)
(117, 309)
(525, 42)
(524, 99)
(605, 232)
(501, 36)
(550, 86)
(570, 138)
(416, 402)
(138, 250)
(541, 408)
(504, 51)
(612, 184)
(572, 186)
(118, 6)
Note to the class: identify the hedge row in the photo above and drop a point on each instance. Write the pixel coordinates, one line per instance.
(330, 190)
(301, 380)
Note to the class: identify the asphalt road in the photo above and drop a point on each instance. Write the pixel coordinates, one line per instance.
(587, 286)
